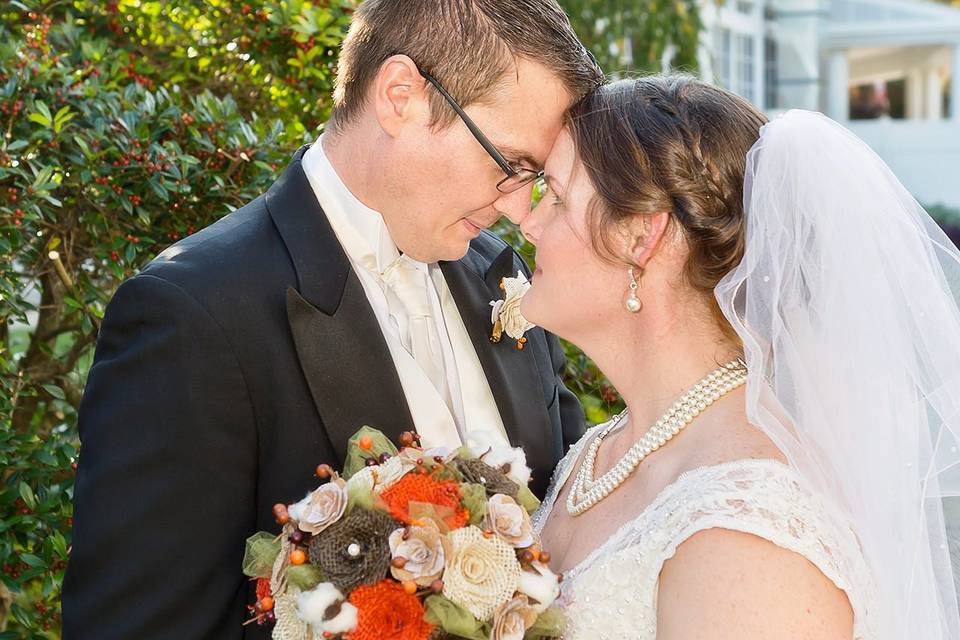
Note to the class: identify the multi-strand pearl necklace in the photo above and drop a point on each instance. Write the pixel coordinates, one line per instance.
(586, 492)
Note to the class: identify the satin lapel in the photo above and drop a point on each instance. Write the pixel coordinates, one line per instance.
(341, 348)
(511, 372)
(348, 367)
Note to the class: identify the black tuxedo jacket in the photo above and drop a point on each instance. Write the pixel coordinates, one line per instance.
(238, 360)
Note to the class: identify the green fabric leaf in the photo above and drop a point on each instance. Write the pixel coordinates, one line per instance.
(463, 453)
(527, 500)
(304, 576)
(359, 495)
(260, 554)
(550, 624)
(453, 618)
(357, 457)
(474, 500)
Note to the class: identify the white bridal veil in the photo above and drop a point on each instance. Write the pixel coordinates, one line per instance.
(847, 304)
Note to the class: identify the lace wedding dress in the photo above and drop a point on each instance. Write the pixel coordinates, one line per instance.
(612, 593)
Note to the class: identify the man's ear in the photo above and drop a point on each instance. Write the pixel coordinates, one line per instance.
(399, 94)
(645, 235)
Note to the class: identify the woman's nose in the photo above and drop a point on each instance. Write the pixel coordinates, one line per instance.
(532, 223)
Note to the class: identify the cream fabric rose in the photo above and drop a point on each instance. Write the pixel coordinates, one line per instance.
(509, 520)
(512, 619)
(380, 477)
(514, 324)
(482, 573)
(540, 584)
(424, 549)
(321, 508)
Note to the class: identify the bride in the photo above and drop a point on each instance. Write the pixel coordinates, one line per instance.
(777, 313)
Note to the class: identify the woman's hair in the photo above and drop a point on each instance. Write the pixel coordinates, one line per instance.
(669, 143)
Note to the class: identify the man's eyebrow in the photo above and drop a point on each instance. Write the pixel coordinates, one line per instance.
(518, 156)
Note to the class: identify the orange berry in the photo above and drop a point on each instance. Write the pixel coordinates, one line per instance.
(266, 603)
(365, 443)
(324, 471)
(545, 557)
(297, 556)
(410, 587)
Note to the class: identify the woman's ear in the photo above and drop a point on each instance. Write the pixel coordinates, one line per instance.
(398, 94)
(646, 235)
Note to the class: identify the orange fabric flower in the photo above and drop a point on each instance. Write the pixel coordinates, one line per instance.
(386, 612)
(424, 488)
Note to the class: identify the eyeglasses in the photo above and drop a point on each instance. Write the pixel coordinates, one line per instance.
(516, 176)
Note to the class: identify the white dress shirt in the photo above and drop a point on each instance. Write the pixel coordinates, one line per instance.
(464, 405)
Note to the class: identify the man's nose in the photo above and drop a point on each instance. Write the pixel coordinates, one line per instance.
(515, 205)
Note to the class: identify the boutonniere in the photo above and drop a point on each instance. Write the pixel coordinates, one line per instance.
(506, 316)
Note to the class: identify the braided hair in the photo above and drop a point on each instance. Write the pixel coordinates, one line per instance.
(669, 143)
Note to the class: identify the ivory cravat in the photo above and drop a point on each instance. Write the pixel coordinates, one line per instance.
(407, 301)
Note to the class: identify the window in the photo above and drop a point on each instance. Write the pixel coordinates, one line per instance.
(745, 65)
(770, 98)
(722, 56)
(735, 62)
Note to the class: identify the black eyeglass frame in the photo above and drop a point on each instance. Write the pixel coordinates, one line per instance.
(520, 176)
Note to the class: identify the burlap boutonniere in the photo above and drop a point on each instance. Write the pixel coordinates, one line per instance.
(506, 316)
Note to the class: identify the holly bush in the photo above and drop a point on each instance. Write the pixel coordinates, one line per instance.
(126, 125)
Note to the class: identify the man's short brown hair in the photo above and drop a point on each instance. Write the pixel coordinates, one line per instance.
(469, 46)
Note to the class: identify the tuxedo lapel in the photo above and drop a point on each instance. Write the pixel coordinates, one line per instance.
(511, 372)
(342, 351)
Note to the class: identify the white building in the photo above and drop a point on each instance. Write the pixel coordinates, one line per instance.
(884, 68)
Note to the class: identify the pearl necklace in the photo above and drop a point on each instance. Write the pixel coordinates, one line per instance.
(586, 492)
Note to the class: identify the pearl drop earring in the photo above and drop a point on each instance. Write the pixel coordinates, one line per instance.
(633, 302)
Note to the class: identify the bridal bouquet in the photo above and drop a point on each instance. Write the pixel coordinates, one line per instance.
(408, 544)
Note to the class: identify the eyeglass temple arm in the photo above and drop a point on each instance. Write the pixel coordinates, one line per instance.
(482, 139)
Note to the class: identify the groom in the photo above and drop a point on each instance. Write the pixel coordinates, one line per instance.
(355, 291)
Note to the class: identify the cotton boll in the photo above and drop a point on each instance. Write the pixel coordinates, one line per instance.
(519, 472)
(343, 622)
(313, 604)
(540, 584)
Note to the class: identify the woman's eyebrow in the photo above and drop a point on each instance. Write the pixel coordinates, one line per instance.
(555, 185)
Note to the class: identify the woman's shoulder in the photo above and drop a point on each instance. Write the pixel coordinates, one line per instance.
(737, 535)
(747, 586)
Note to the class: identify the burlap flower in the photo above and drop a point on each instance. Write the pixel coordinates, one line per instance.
(424, 551)
(321, 508)
(386, 611)
(354, 551)
(512, 619)
(482, 572)
(509, 520)
(417, 489)
(493, 480)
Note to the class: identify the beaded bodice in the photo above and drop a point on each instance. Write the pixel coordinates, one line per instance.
(612, 593)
